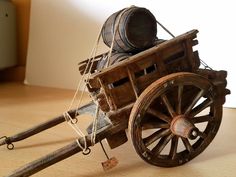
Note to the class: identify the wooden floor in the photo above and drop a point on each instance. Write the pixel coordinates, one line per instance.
(22, 107)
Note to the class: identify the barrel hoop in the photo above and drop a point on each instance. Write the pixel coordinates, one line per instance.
(113, 29)
(124, 30)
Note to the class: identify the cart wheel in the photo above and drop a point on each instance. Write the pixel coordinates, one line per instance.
(175, 119)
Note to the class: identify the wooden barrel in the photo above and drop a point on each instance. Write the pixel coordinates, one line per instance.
(136, 30)
(115, 58)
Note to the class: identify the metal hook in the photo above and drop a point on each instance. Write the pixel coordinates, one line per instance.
(10, 146)
(74, 121)
(86, 151)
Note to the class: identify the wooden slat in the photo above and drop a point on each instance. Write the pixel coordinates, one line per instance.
(160, 65)
(146, 80)
(189, 35)
(143, 64)
(196, 59)
(109, 96)
(169, 57)
(189, 53)
(123, 95)
(83, 66)
(117, 75)
(172, 50)
(133, 82)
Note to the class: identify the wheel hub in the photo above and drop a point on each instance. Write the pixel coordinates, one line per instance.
(181, 126)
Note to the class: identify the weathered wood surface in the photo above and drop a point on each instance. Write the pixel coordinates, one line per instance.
(134, 74)
(56, 156)
(136, 29)
(63, 153)
(175, 121)
(158, 88)
(218, 78)
(35, 130)
(89, 109)
(140, 56)
(82, 64)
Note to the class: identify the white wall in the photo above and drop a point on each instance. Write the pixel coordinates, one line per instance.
(62, 32)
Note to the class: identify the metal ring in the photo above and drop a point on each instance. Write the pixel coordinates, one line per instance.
(10, 146)
(86, 151)
(74, 121)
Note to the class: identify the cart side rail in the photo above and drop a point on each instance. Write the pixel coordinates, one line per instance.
(123, 82)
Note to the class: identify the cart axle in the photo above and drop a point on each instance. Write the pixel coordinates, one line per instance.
(181, 126)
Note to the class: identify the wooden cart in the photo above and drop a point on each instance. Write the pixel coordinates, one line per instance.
(172, 108)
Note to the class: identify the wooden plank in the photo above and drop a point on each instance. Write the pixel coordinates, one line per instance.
(83, 66)
(102, 101)
(142, 59)
(160, 65)
(133, 82)
(194, 42)
(119, 74)
(143, 64)
(120, 117)
(96, 57)
(196, 59)
(117, 139)
(189, 53)
(108, 95)
(123, 94)
(133, 59)
(171, 50)
(144, 81)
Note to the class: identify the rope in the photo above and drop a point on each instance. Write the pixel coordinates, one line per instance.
(92, 57)
(114, 34)
(206, 66)
(67, 117)
(94, 129)
(95, 120)
(85, 78)
(163, 27)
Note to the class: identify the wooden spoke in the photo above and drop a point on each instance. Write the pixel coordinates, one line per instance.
(182, 94)
(155, 136)
(174, 146)
(162, 144)
(195, 100)
(201, 119)
(160, 115)
(154, 124)
(202, 135)
(168, 105)
(179, 103)
(187, 144)
(201, 107)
